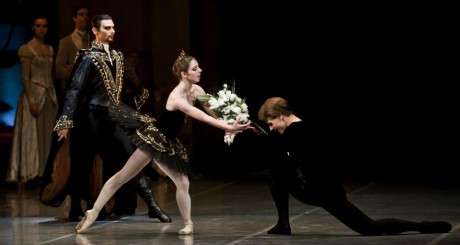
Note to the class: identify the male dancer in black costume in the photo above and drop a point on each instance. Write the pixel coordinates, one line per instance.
(97, 80)
(310, 182)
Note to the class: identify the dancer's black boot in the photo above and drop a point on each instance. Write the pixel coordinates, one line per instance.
(76, 213)
(144, 190)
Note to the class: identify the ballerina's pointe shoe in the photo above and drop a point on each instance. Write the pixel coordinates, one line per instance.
(86, 222)
(187, 230)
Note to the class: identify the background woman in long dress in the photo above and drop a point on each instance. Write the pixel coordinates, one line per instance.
(36, 110)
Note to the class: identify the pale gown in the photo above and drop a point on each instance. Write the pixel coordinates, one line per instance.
(32, 135)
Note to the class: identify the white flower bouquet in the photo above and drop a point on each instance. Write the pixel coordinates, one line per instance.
(228, 108)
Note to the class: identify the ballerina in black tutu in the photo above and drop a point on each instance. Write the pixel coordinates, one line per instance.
(156, 140)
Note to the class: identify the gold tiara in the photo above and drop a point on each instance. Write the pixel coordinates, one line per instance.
(181, 55)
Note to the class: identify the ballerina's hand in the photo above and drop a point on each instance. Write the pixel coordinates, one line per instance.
(238, 127)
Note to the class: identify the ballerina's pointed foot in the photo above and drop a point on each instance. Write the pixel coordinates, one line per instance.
(87, 221)
(187, 230)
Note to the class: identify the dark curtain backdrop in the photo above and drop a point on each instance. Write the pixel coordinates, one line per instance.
(375, 81)
(372, 81)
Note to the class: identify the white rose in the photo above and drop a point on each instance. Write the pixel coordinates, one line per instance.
(222, 95)
(236, 109)
(228, 94)
(244, 108)
(213, 103)
(221, 101)
(226, 110)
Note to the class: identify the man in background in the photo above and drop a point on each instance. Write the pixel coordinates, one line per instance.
(69, 46)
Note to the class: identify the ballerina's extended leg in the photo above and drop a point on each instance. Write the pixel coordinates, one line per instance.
(134, 165)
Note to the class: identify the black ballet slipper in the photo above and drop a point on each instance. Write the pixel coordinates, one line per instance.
(435, 227)
(280, 230)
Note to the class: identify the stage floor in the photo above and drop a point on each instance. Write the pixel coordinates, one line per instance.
(227, 212)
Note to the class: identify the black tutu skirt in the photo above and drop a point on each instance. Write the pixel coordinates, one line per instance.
(141, 129)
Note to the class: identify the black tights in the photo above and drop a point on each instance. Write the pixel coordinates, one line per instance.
(354, 218)
(347, 213)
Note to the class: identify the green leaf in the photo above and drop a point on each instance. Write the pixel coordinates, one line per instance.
(204, 98)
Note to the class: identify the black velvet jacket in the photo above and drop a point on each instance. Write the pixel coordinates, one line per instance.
(303, 168)
(94, 81)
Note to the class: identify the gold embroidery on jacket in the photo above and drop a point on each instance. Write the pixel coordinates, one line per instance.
(113, 86)
(63, 122)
